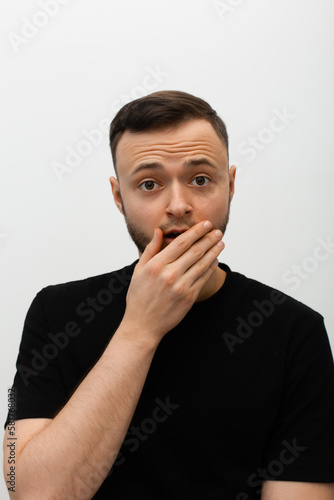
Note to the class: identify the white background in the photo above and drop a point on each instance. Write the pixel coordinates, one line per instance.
(247, 59)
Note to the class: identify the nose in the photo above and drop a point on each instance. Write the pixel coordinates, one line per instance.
(178, 204)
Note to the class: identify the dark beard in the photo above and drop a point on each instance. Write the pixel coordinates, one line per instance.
(141, 240)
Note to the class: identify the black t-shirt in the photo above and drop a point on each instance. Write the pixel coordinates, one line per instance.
(240, 391)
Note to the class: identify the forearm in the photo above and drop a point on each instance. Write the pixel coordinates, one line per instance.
(72, 456)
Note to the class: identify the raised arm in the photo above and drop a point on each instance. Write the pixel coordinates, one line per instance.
(69, 457)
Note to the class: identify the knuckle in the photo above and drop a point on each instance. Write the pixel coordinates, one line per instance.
(202, 267)
(211, 238)
(189, 297)
(181, 242)
(179, 290)
(169, 277)
(196, 250)
(199, 229)
(155, 268)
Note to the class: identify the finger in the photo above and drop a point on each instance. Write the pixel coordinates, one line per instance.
(203, 278)
(211, 241)
(153, 247)
(183, 242)
(201, 267)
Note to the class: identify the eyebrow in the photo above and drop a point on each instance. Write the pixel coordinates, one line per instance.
(155, 165)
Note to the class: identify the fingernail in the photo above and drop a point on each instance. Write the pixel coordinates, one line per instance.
(220, 243)
(207, 224)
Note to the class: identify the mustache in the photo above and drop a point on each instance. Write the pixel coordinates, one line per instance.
(177, 225)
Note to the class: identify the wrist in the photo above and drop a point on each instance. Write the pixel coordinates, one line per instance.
(141, 339)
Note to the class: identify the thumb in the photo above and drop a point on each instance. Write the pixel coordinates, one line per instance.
(153, 247)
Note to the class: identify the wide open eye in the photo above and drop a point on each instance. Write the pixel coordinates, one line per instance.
(201, 180)
(148, 185)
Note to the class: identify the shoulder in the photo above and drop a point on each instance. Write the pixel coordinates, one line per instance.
(266, 299)
(105, 286)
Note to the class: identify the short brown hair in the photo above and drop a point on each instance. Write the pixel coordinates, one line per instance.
(161, 110)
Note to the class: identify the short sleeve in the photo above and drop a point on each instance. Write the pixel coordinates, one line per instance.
(39, 392)
(300, 446)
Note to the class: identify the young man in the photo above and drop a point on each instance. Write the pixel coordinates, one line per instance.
(174, 377)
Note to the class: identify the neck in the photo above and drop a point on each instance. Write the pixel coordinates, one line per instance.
(214, 283)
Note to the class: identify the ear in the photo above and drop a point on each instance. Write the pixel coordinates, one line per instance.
(231, 174)
(116, 193)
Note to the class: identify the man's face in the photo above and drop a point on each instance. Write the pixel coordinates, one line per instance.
(172, 179)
